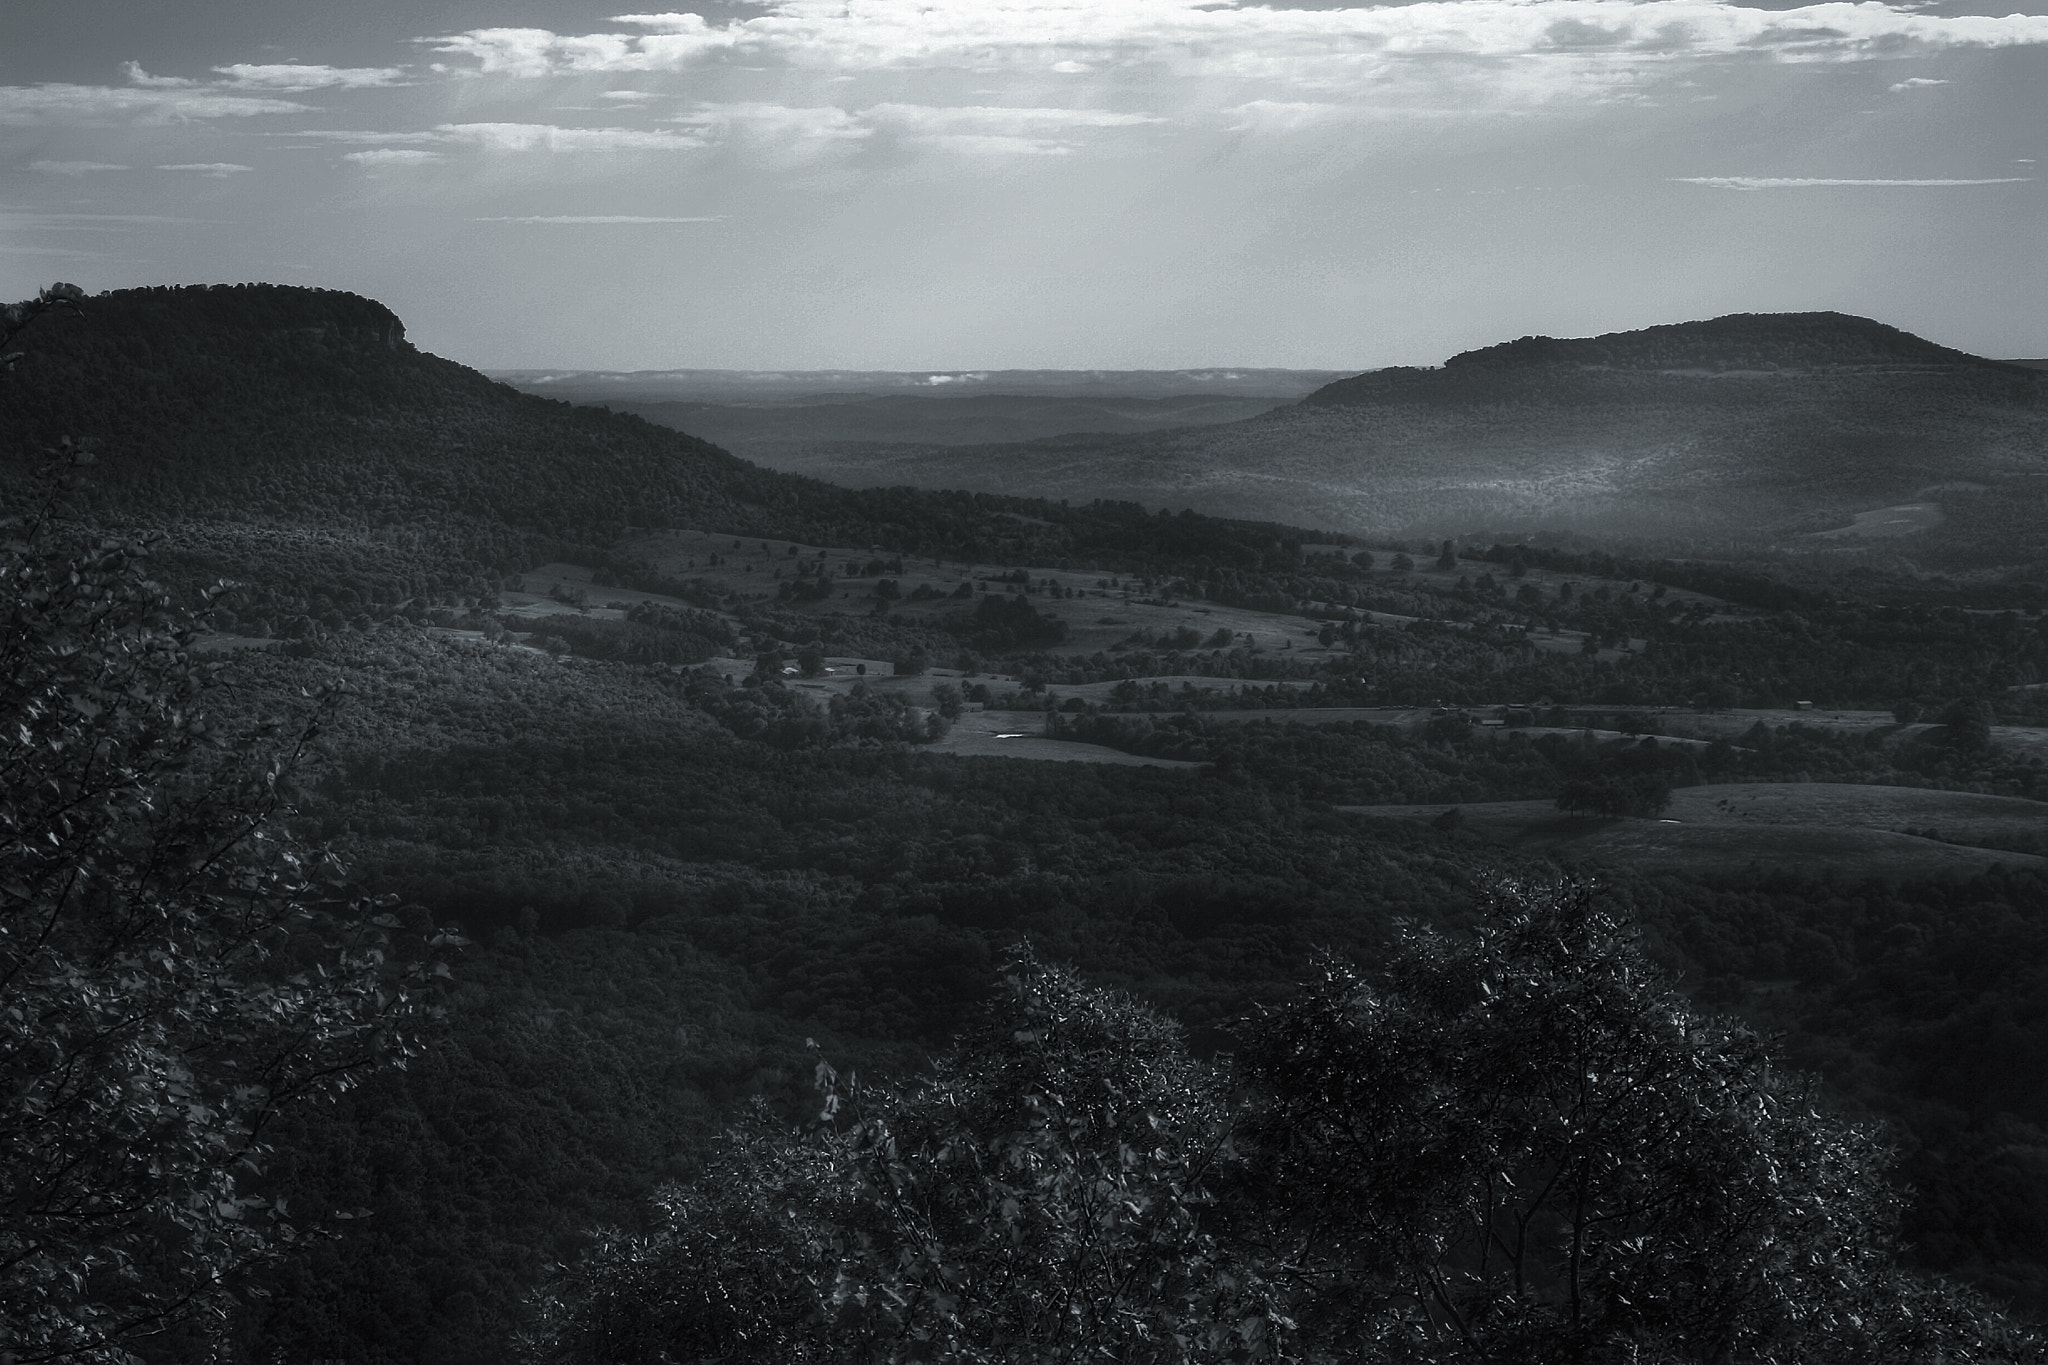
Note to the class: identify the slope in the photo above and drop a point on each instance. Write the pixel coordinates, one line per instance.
(1750, 427)
(293, 436)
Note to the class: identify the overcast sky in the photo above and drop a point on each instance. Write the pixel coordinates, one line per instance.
(899, 184)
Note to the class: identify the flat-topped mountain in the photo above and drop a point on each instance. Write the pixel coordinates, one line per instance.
(294, 434)
(1739, 341)
(1752, 427)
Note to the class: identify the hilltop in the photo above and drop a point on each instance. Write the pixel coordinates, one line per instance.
(294, 437)
(1750, 429)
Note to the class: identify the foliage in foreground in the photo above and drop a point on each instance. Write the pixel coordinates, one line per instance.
(1516, 1145)
(171, 975)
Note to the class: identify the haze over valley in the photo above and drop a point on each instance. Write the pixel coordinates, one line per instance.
(1817, 432)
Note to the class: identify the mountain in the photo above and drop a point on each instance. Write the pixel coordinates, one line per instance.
(1748, 428)
(294, 437)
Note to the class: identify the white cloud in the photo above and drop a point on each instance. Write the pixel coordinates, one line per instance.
(994, 130)
(1758, 182)
(218, 170)
(392, 156)
(13, 219)
(546, 137)
(137, 76)
(997, 119)
(17, 249)
(598, 218)
(31, 105)
(297, 76)
(1203, 38)
(806, 123)
(1915, 83)
(366, 137)
(627, 96)
(74, 168)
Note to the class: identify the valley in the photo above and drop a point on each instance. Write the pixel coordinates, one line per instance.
(707, 760)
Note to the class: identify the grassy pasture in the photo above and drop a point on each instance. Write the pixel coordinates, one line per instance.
(1728, 827)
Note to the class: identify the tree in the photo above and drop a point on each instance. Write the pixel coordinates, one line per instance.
(1643, 794)
(1521, 1145)
(173, 971)
(1044, 1195)
(1968, 723)
(1447, 558)
(1515, 1145)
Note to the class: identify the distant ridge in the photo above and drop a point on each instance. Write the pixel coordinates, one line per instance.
(777, 386)
(1745, 430)
(293, 437)
(1734, 341)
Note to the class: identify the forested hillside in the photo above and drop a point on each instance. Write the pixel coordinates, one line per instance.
(298, 440)
(770, 984)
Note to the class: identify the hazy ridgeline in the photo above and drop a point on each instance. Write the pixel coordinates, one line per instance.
(586, 694)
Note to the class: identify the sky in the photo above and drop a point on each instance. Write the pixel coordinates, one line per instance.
(906, 184)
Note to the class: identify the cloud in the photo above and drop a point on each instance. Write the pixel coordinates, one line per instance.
(778, 122)
(392, 156)
(995, 130)
(997, 119)
(366, 137)
(546, 137)
(1757, 182)
(1203, 38)
(17, 249)
(32, 105)
(137, 76)
(74, 168)
(218, 170)
(297, 76)
(1915, 83)
(626, 96)
(599, 218)
(15, 219)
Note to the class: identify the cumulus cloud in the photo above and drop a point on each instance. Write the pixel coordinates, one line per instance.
(1915, 83)
(1204, 38)
(218, 170)
(137, 76)
(32, 105)
(596, 218)
(74, 168)
(298, 76)
(627, 96)
(1764, 182)
(392, 156)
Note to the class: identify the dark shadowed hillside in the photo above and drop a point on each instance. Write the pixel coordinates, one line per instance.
(1745, 428)
(293, 435)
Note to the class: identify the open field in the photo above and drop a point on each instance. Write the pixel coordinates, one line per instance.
(1000, 734)
(1805, 825)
